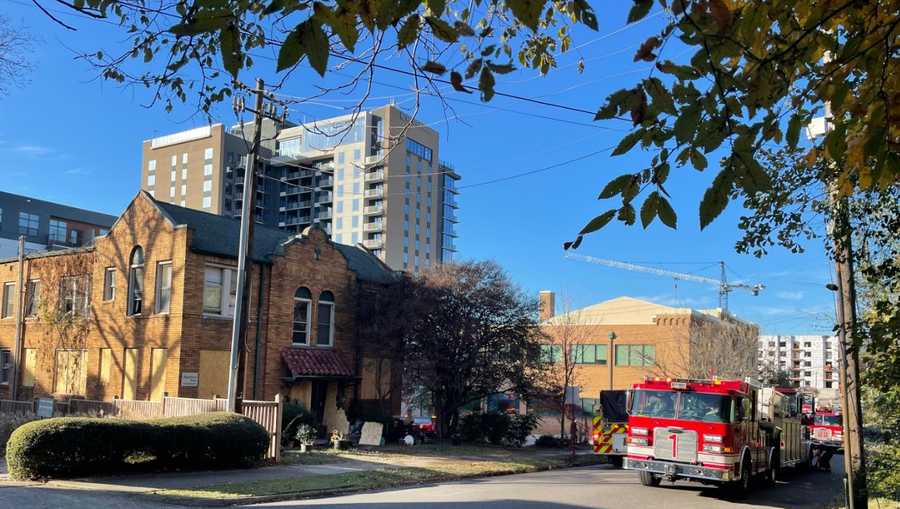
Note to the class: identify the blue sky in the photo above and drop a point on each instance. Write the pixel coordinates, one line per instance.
(73, 138)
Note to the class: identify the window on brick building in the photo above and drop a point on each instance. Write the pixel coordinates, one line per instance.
(590, 354)
(109, 283)
(32, 298)
(136, 282)
(163, 286)
(75, 294)
(635, 355)
(302, 308)
(215, 281)
(325, 330)
(9, 300)
(5, 366)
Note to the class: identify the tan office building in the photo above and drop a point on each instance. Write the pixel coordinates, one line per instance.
(374, 179)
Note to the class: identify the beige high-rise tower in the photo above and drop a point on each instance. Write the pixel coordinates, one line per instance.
(373, 179)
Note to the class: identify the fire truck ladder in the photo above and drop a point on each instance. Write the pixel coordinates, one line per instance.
(723, 285)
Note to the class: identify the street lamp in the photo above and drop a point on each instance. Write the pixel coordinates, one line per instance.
(610, 357)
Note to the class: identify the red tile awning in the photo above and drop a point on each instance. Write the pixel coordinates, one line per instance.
(315, 363)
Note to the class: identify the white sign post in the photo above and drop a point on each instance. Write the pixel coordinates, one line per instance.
(371, 434)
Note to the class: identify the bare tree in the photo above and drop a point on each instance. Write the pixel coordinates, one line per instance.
(713, 347)
(563, 352)
(15, 50)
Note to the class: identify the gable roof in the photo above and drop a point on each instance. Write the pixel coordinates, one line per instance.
(219, 235)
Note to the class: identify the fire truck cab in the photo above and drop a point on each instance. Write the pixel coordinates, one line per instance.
(828, 430)
(713, 431)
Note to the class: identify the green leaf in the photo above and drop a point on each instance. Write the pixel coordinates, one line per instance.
(457, 81)
(206, 21)
(441, 29)
(463, 29)
(682, 72)
(698, 160)
(614, 104)
(316, 43)
(409, 31)
(486, 84)
(649, 209)
(436, 6)
(528, 12)
(628, 142)
(662, 99)
(615, 186)
(687, 123)
(306, 38)
(434, 68)
(666, 213)
(715, 199)
(626, 214)
(598, 222)
(501, 68)
(640, 10)
(793, 132)
(474, 68)
(292, 49)
(230, 46)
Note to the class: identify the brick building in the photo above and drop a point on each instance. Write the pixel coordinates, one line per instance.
(649, 339)
(149, 312)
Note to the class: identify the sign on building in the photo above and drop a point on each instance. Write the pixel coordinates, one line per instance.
(189, 379)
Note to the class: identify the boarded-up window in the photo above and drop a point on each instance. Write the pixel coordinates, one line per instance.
(213, 373)
(30, 367)
(105, 365)
(376, 378)
(158, 361)
(130, 383)
(71, 372)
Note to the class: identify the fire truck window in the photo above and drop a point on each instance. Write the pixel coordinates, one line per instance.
(747, 407)
(655, 404)
(705, 407)
(829, 420)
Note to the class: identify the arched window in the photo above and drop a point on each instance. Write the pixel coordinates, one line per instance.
(136, 281)
(302, 308)
(325, 332)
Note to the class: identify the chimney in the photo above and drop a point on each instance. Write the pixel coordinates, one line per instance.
(546, 305)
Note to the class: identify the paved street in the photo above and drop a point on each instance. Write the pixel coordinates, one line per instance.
(583, 488)
(592, 487)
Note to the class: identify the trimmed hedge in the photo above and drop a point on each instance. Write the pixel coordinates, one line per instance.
(81, 446)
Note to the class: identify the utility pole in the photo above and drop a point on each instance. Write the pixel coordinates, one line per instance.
(248, 217)
(854, 452)
(20, 323)
(845, 310)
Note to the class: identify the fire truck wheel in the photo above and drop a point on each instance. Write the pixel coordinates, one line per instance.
(650, 479)
(741, 487)
(772, 471)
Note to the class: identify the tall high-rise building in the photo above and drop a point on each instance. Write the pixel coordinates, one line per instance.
(810, 361)
(373, 178)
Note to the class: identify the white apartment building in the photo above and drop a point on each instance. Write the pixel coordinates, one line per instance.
(812, 362)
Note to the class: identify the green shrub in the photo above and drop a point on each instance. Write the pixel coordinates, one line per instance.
(9, 422)
(520, 426)
(78, 446)
(489, 427)
(547, 441)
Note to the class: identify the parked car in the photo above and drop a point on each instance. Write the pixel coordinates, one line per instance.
(424, 424)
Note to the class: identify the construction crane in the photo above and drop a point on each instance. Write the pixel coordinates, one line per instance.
(722, 284)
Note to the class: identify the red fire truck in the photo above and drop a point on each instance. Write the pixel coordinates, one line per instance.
(714, 431)
(828, 430)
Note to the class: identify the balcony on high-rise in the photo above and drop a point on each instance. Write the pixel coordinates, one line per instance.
(374, 176)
